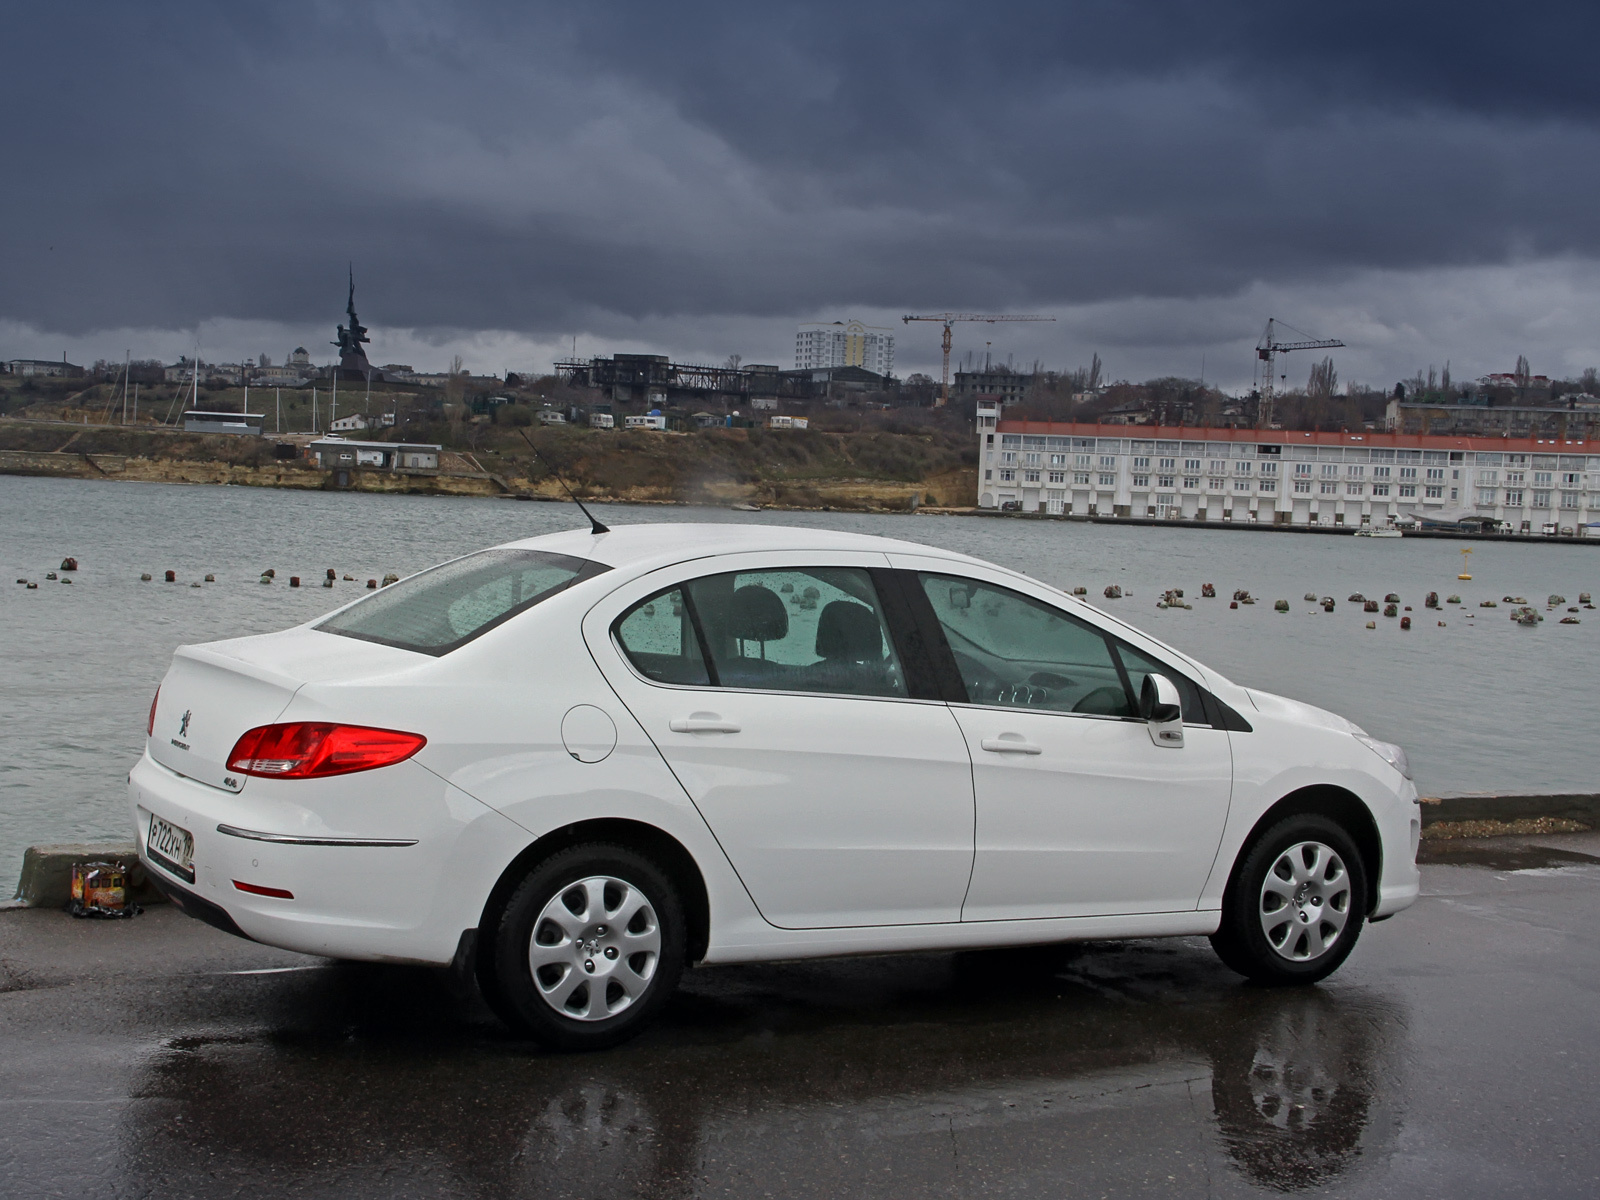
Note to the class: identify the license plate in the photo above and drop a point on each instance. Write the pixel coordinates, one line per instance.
(171, 847)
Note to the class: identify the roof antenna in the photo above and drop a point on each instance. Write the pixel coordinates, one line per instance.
(594, 526)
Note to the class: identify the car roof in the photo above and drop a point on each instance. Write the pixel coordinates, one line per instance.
(646, 547)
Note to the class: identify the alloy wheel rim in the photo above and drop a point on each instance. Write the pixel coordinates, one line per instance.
(1305, 901)
(595, 948)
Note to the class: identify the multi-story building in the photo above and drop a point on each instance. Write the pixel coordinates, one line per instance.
(43, 366)
(844, 344)
(1003, 382)
(1282, 476)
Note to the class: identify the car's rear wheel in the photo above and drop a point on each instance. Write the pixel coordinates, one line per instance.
(1294, 908)
(589, 947)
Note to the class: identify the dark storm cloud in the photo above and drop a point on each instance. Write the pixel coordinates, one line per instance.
(545, 169)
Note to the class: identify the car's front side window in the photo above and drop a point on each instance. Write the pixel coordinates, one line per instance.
(814, 629)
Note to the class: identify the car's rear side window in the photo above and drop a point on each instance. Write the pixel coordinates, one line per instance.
(445, 607)
(659, 639)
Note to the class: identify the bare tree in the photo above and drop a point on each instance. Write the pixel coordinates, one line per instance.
(1444, 378)
(732, 362)
(1524, 372)
(1092, 382)
(1325, 380)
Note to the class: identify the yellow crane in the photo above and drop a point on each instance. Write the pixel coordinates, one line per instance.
(950, 319)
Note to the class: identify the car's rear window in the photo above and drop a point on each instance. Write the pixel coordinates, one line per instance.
(437, 610)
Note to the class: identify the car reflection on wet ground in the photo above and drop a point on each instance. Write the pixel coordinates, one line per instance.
(1453, 1055)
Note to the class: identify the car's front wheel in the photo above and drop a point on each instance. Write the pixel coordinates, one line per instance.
(1296, 903)
(589, 947)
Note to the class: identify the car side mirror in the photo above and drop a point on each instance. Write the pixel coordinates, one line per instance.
(1160, 706)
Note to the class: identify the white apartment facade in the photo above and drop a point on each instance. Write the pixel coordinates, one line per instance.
(844, 344)
(1282, 477)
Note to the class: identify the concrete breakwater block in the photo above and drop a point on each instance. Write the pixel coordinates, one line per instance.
(1583, 807)
(47, 872)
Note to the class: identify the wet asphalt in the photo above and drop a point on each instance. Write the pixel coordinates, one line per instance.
(1456, 1054)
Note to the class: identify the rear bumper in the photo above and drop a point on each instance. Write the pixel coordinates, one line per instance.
(390, 865)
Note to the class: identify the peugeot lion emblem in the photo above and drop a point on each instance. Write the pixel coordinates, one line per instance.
(183, 723)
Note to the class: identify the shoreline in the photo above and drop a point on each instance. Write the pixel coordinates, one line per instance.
(880, 497)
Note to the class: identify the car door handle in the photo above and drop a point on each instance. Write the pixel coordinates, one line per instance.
(1010, 743)
(702, 723)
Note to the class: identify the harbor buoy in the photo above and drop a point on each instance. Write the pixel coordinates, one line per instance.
(66, 581)
(1357, 598)
(332, 574)
(1391, 610)
(25, 581)
(391, 577)
(211, 578)
(1556, 600)
(1080, 591)
(1569, 620)
(1113, 592)
(294, 581)
(1233, 604)
(1487, 604)
(171, 576)
(1441, 624)
(1405, 622)
(1311, 597)
(69, 564)
(1432, 601)
(1370, 606)
(349, 578)
(1583, 598)
(266, 579)
(269, 573)
(1452, 600)
(33, 587)
(372, 583)
(1392, 598)
(1372, 624)
(1327, 604)
(196, 583)
(1466, 561)
(327, 583)
(1281, 606)
(52, 575)
(1208, 591)
(145, 578)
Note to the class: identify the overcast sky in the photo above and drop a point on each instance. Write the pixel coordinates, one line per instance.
(1418, 179)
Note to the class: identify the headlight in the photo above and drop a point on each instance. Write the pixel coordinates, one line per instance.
(1388, 751)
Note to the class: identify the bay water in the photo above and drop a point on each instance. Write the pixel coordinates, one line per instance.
(1480, 703)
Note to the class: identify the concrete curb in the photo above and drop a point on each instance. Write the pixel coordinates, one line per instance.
(1583, 807)
(47, 872)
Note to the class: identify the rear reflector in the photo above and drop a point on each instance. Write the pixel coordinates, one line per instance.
(255, 889)
(313, 749)
(150, 725)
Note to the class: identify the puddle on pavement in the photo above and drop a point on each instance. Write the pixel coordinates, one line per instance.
(1063, 1069)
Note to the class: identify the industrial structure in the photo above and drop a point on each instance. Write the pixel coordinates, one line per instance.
(950, 318)
(654, 380)
(1284, 477)
(1267, 351)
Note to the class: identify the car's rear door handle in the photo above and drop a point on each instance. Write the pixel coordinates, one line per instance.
(1010, 743)
(702, 722)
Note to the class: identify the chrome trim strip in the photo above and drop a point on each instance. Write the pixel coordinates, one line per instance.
(289, 839)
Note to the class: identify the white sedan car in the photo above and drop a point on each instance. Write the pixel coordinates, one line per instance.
(576, 763)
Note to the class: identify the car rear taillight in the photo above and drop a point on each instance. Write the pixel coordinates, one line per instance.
(150, 725)
(313, 749)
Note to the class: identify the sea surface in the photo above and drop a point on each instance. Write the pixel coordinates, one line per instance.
(1481, 704)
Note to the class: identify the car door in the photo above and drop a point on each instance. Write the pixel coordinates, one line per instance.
(776, 690)
(1079, 811)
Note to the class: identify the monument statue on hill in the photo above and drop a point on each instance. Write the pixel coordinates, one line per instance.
(353, 364)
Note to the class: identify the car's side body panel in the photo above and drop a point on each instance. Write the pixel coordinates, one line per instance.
(835, 810)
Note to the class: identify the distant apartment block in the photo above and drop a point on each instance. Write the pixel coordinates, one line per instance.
(1284, 477)
(844, 344)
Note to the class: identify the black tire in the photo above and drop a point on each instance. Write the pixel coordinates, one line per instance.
(1242, 941)
(636, 967)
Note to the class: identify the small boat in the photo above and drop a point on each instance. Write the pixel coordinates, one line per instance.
(1381, 532)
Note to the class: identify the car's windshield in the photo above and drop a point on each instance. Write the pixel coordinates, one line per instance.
(447, 606)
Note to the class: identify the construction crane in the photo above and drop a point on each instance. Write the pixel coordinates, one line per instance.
(950, 319)
(1267, 351)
